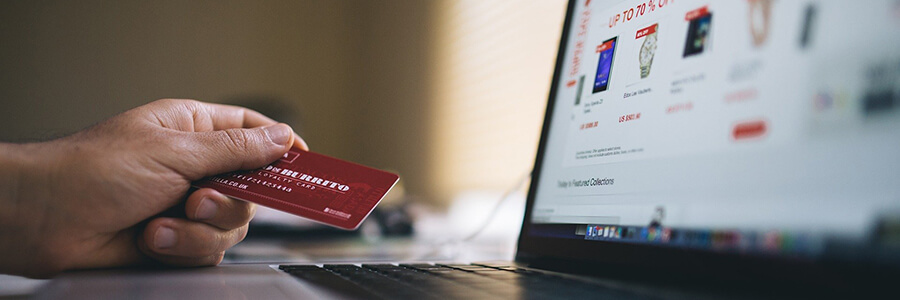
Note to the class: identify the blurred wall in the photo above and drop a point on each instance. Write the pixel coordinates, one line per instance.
(493, 63)
(393, 97)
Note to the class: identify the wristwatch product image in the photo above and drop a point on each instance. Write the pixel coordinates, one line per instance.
(759, 10)
(648, 50)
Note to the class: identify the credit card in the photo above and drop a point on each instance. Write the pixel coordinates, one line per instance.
(314, 186)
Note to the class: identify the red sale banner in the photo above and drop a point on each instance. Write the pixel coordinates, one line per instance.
(644, 32)
(605, 46)
(696, 13)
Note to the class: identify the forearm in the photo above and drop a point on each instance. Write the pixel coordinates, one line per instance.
(22, 200)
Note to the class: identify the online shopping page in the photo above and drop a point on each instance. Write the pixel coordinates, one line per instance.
(754, 115)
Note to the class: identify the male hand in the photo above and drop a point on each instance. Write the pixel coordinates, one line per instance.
(93, 199)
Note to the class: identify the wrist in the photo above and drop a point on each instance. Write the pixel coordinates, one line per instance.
(9, 182)
(23, 174)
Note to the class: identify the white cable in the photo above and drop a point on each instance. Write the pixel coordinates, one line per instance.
(496, 209)
(436, 247)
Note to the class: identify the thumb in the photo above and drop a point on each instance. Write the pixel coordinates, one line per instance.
(220, 151)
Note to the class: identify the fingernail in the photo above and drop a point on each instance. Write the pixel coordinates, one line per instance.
(206, 210)
(280, 133)
(304, 146)
(165, 238)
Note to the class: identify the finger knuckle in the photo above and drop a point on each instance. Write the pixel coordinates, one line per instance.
(242, 233)
(246, 212)
(209, 244)
(217, 258)
(169, 102)
(236, 139)
(176, 101)
(222, 243)
(165, 101)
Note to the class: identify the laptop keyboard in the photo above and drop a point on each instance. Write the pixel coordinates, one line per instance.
(450, 281)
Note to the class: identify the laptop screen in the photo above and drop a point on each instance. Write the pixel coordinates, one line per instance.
(757, 127)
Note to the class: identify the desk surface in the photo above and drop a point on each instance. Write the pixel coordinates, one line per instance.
(280, 251)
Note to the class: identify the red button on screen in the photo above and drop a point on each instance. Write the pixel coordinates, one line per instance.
(748, 130)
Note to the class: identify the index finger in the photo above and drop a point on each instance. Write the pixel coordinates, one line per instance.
(225, 116)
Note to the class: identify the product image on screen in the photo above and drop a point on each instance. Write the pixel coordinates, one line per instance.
(604, 67)
(580, 87)
(648, 48)
(809, 15)
(759, 19)
(698, 33)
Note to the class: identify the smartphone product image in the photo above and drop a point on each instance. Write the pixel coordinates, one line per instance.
(698, 33)
(604, 66)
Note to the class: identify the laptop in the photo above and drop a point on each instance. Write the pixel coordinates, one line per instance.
(689, 149)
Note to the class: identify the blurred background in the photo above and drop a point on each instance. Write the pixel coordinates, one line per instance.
(449, 94)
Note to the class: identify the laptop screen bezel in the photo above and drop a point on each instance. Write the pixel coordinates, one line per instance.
(621, 260)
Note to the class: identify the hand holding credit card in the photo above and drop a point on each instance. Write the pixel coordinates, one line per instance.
(310, 185)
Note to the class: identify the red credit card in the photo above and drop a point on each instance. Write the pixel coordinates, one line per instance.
(310, 185)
